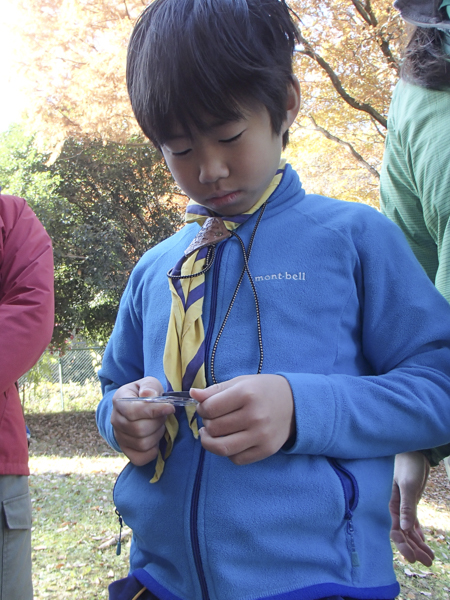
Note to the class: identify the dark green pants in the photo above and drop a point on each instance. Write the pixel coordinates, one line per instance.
(15, 538)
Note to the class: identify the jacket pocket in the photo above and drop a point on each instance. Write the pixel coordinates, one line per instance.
(17, 512)
(117, 479)
(351, 497)
(116, 510)
(15, 552)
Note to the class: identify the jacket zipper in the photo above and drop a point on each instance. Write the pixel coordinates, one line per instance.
(198, 476)
(351, 497)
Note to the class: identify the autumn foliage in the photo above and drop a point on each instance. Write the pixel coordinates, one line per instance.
(72, 56)
(348, 64)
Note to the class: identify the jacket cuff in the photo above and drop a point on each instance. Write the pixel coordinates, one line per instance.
(103, 418)
(435, 455)
(315, 413)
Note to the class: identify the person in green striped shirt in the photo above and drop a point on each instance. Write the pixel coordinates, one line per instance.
(415, 194)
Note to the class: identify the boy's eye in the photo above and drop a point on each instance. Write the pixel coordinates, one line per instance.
(232, 139)
(182, 153)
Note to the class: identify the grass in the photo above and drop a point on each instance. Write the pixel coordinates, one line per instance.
(45, 396)
(74, 552)
(73, 517)
(419, 582)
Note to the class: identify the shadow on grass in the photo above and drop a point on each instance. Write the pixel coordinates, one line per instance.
(66, 434)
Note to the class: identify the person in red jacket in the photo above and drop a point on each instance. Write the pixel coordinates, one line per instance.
(26, 326)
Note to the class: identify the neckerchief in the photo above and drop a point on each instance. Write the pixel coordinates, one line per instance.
(184, 352)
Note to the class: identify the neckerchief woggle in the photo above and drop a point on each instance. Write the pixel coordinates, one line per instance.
(184, 352)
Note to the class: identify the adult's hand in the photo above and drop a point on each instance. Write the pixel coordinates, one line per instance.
(410, 478)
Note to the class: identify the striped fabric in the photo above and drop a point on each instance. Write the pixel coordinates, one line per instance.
(415, 176)
(184, 353)
(415, 184)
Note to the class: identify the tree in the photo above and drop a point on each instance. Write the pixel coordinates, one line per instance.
(120, 199)
(73, 56)
(103, 205)
(22, 167)
(348, 63)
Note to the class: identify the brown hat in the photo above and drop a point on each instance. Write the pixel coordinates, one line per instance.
(423, 13)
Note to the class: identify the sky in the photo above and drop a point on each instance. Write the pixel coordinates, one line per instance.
(12, 100)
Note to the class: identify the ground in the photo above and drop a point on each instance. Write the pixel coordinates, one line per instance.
(75, 529)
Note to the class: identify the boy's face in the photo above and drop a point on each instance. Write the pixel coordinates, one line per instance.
(228, 167)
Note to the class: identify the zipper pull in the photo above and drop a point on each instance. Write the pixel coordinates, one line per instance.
(119, 542)
(354, 553)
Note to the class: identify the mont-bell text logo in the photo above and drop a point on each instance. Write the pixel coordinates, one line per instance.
(298, 276)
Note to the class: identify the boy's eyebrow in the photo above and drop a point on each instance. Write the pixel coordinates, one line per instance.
(213, 124)
(221, 122)
(175, 136)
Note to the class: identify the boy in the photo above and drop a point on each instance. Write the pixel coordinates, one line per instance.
(312, 360)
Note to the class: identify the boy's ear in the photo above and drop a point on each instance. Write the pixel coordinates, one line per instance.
(293, 102)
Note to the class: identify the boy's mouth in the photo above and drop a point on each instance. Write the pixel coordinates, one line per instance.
(222, 198)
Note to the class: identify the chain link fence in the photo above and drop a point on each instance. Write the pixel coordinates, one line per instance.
(58, 383)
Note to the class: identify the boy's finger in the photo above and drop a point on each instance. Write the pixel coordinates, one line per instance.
(148, 392)
(141, 443)
(135, 391)
(212, 390)
(140, 428)
(228, 445)
(237, 447)
(227, 397)
(136, 410)
(140, 458)
(227, 424)
(220, 405)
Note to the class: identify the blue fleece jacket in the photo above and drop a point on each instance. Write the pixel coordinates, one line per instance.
(350, 319)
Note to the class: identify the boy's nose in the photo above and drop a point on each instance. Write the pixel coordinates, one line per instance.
(212, 168)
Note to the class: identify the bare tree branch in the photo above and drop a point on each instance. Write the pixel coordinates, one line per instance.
(365, 12)
(375, 124)
(386, 50)
(334, 78)
(75, 62)
(346, 145)
(362, 106)
(369, 10)
(126, 10)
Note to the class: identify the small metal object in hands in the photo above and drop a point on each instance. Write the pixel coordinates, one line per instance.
(175, 398)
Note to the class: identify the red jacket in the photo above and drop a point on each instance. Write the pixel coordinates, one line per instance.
(26, 319)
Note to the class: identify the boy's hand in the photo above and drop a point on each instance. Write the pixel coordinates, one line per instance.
(139, 426)
(247, 418)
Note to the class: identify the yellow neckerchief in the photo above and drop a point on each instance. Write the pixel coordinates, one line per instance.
(184, 352)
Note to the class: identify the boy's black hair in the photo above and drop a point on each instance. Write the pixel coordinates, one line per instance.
(190, 60)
